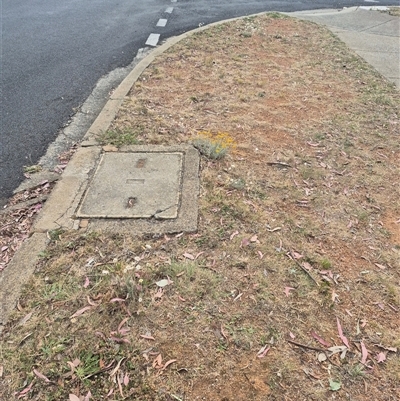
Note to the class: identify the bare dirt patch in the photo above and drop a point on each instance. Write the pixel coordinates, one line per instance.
(297, 248)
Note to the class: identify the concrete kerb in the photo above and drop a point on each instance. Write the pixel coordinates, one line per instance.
(18, 272)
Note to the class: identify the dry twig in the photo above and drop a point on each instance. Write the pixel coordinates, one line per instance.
(302, 268)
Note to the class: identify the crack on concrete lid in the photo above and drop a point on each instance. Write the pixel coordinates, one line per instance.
(159, 214)
(140, 185)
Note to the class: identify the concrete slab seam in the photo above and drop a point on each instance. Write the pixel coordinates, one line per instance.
(374, 26)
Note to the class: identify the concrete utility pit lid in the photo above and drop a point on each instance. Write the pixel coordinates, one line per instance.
(135, 185)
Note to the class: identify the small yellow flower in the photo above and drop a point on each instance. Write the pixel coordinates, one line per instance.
(214, 146)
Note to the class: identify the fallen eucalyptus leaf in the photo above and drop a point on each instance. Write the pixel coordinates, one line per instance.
(188, 256)
(341, 335)
(337, 348)
(334, 385)
(163, 283)
(263, 351)
(381, 357)
(364, 353)
(80, 311)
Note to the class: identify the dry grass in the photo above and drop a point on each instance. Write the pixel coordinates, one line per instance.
(395, 11)
(299, 227)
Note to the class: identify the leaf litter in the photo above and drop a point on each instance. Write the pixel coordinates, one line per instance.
(329, 123)
(17, 217)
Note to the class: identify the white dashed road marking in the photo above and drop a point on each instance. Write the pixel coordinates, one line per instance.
(162, 22)
(153, 39)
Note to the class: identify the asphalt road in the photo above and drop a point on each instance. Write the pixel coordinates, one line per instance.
(53, 52)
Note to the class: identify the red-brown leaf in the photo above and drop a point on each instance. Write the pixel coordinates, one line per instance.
(90, 302)
(287, 290)
(25, 390)
(364, 353)
(320, 339)
(245, 242)
(117, 300)
(146, 337)
(263, 351)
(122, 323)
(381, 357)
(233, 235)
(296, 255)
(168, 363)
(80, 311)
(157, 363)
(254, 238)
(341, 335)
(88, 396)
(199, 254)
(41, 376)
